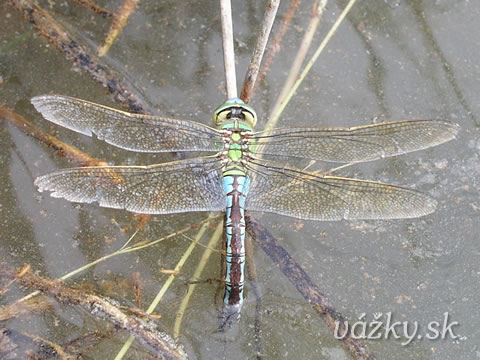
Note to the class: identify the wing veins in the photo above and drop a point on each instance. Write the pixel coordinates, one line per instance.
(313, 179)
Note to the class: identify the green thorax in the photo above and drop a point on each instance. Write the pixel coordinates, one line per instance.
(237, 117)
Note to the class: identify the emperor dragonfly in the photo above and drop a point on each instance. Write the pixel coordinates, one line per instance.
(238, 177)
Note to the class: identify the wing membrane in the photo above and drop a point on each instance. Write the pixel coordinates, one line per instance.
(136, 132)
(288, 191)
(179, 186)
(356, 144)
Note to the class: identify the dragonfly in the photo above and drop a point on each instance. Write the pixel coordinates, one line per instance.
(246, 169)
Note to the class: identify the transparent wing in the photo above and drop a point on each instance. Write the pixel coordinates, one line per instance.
(356, 144)
(136, 132)
(179, 186)
(292, 192)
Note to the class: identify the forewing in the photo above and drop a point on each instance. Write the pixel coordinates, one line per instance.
(356, 144)
(136, 132)
(292, 192)
(180, 186)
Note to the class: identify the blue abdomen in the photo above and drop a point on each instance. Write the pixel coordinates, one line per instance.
(236, 190)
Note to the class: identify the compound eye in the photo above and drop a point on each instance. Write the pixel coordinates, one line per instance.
(221, 117)
(249, 118)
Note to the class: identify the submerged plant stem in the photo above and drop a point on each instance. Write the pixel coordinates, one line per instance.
(103, 308)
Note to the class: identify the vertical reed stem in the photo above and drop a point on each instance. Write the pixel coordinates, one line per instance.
(228, 50)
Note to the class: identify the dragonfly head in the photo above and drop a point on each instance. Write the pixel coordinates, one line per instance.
(234, 110)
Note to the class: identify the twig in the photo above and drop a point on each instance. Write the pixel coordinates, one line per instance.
(102, 308)
(300, 279)
(274, 46)
(262, 38)
(317, 11)
(81, 55)
(228, 50)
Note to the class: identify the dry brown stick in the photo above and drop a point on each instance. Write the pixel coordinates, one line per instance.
(96, 9)
(102, 308)
(81, 55)
(274, 46)
(262, 39)
(307, 288)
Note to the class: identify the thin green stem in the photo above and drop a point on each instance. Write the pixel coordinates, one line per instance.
(196, 275)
